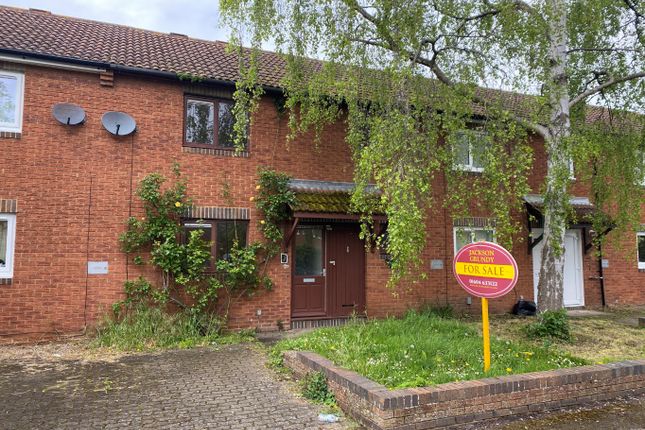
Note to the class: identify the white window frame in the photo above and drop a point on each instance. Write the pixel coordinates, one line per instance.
(7, 271)
(477, 134)
(572, 170)
(641, 266)
(471, 230)
(15, 127)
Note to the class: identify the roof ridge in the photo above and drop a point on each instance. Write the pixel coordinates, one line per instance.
(74, 38)
(50, 14)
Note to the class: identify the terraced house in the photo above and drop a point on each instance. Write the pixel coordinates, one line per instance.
(66, 190)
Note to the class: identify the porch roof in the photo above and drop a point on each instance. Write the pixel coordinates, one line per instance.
(324, 196)
(537, 201)
(582, 206)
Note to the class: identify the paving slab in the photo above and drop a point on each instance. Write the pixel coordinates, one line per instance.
(582, 313)
(227, 388)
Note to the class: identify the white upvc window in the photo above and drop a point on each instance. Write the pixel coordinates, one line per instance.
(7, 242)
(12, 90)
(640, 252)
(469, 149)
(466, 235)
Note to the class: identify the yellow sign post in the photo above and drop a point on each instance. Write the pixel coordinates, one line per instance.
(485, 270)
(486, 334)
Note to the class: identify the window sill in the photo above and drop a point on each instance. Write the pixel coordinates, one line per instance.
(469, 169)
(10, 135)
(215, 152)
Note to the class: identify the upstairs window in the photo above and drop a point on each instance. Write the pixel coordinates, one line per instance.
(7, 240)
(11, 101)
(221, 234)
(469, 150)
(466, 235)
(209, 123)
(640, 240)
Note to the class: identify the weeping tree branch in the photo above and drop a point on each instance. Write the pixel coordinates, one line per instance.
(609, 83)
(389, 43)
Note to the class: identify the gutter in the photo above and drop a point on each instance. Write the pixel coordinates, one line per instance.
(51, 64)
(87, 66)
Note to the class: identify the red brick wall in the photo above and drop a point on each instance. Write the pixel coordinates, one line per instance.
(51, 169)
(455, 404)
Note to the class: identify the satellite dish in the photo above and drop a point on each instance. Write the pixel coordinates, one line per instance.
(68, 113)
(118, 123)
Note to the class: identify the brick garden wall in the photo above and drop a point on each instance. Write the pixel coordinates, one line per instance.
(72, 188)
(458, 403)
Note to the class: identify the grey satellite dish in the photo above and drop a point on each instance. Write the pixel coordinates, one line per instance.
(118, 123)
(68, 113)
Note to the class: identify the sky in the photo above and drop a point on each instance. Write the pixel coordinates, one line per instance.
(197, 18)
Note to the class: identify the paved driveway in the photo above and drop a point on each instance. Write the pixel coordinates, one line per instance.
(229, 388)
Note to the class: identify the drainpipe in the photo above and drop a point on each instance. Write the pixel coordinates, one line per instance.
(601, 276)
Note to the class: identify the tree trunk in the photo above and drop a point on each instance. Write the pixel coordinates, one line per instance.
(551, 281)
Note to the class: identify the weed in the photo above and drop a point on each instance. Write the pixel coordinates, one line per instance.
(550, 324)
(445, 311)
(145, 328)
(314, 387)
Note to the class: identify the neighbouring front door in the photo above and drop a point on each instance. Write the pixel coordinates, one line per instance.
(308, 293)
(573, 294)
(328, 271)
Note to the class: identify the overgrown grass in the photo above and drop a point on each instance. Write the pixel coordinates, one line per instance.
(421, 349)
(146, 328)
(599, 339)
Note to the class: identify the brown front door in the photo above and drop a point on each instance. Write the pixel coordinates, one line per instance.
(345, 271)
(308, 297)
(328, 271)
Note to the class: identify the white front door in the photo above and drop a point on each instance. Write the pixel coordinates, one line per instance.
(573, 280)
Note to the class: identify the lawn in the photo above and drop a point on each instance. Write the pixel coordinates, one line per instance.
(598, 339)
(423, 349)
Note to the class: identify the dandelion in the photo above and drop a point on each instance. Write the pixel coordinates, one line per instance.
(177, 204)
(509, 370)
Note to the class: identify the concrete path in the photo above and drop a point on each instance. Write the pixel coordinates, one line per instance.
(229, 388)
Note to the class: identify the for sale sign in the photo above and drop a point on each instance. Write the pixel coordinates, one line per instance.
(485, 269)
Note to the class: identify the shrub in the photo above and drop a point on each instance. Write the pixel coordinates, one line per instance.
(550, 324)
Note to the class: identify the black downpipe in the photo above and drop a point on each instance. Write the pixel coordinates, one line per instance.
(601, 276)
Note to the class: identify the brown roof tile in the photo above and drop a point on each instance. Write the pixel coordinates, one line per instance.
(38, 32)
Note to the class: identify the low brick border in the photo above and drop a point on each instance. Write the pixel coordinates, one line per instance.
(457, 403)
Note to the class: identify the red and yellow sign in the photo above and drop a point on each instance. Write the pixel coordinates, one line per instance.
(485, 269)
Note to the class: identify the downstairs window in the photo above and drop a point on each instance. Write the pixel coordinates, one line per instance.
(221, 234)
(7, 242)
